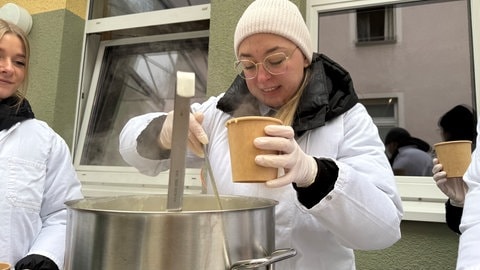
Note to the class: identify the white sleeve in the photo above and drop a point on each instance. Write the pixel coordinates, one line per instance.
(62, 185)
(364, 203)
(128, 145)
(468, 252)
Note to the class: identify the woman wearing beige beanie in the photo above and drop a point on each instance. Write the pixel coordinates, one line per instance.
(338, 191)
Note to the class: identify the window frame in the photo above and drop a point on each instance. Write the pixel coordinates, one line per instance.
(95, 87)
(398, 110)
(120, 180)
(92, 42)
(388, 16)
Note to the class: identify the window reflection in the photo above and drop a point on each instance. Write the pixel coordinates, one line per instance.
(136, 77)
(426, 71)
(110, 8)
(375, 24)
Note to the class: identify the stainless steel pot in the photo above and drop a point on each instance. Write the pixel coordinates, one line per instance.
(138, 233)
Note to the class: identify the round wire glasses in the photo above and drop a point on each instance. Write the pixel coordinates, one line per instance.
(275, 64)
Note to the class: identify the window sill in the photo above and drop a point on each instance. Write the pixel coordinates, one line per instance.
(421, 199)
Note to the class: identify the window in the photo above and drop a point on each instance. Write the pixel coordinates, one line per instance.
(111, 8)
(375, 24)
(384, 112)
(136, 76)
(132, 51)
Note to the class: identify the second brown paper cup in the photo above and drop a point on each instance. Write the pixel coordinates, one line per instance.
(241, 133)
(455, 156)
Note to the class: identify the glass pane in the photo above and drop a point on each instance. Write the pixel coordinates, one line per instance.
(110, 8)
(371, 24)
(429, 67)
(380, 108)
(135, 79)
(157, 30)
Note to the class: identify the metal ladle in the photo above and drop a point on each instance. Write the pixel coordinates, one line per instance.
(181, 117)
(211, 177)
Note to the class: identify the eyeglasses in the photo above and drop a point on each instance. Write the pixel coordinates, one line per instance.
(275, 64)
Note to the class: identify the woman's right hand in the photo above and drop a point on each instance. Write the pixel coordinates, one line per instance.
(196, 134)
(454, 188)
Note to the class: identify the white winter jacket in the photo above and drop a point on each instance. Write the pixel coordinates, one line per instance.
(36, 178)
(363, 211)
(469, 245)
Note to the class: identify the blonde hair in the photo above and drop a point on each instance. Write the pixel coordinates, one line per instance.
(286, 113)
(9, 28)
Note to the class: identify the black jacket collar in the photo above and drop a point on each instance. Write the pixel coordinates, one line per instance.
(11, 113)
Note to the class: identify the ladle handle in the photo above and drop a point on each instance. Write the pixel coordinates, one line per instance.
(181, 116)
(277, 255)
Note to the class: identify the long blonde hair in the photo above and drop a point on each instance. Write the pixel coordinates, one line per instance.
(9, 28)
(286, 113)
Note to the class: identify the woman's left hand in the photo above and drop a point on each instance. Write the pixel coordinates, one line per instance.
(454, 188)
(299, 167)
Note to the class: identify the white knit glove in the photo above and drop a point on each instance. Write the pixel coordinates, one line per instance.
(299, 167)
(454, 188)
(196, 134)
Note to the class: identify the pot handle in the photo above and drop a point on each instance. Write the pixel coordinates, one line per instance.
(277, 255)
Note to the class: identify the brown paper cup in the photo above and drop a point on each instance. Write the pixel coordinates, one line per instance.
(455, 156)
(241, 133)
(5, 266)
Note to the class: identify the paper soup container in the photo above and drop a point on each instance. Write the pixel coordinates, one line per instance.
(455, 156)
(241, 133)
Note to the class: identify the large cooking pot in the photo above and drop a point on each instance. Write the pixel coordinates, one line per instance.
(138, 233)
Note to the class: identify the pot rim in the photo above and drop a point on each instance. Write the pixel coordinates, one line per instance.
(87, 204)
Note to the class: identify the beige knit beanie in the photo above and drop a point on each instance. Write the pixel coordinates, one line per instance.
(280, 17)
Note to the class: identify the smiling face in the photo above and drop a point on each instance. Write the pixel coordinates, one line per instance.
(273, 90)
(12, 64)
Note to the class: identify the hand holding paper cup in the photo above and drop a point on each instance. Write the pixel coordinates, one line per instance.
(455, 156)
(241, 133)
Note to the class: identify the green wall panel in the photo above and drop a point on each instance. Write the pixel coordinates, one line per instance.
(424, 246)
(56, 44)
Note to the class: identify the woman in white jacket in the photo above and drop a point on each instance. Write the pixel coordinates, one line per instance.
(469, 245)
(36, 174)
(338, 193)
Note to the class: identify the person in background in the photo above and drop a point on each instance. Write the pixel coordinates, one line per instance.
(37, 173)
(469, 245)
(456, 124)
(408, 155)
(338, 192)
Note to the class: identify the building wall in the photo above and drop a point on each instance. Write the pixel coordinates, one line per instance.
(56, 44)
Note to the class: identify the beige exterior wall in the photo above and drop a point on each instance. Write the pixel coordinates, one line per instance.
(77, 7)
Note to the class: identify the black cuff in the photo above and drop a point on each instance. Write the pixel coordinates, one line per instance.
(147, 145)
(36, 262)
(453, 216)
(324, 183)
